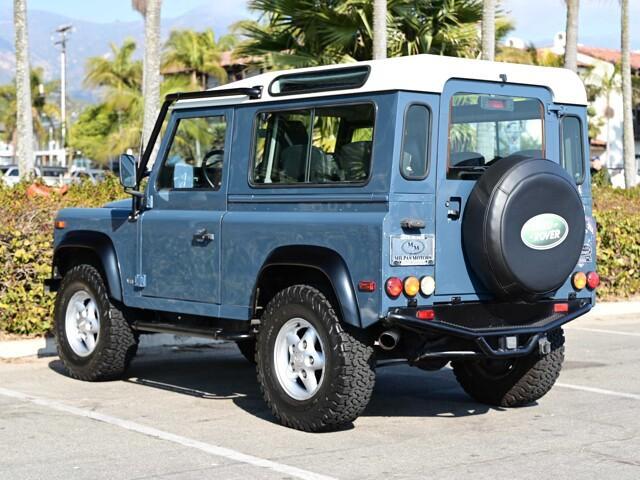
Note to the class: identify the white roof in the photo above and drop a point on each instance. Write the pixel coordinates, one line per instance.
(423, 73)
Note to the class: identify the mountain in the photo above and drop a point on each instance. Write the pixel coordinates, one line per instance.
(90, 39)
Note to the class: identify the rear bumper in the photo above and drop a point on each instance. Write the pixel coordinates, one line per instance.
(487, 330)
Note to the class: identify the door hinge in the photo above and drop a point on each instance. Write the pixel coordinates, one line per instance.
(558, 110)
(140, 281)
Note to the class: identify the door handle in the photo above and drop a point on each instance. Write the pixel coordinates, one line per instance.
(202, 236)
(454, 205)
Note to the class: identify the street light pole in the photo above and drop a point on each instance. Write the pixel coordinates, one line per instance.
(63, 31)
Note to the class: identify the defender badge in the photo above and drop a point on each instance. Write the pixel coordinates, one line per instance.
(544, 231)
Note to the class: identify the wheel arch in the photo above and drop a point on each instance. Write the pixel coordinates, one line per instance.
(94, 248)
(321, 266)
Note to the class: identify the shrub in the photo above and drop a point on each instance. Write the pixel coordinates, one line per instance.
(26, 238)
(26, 226)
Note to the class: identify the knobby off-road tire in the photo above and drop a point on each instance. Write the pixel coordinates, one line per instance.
(116, 343)
(348, 377)
(527, 380)
(248, 349)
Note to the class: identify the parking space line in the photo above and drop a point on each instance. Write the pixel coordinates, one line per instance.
(599, 330)
(601, 391)
(167, 436)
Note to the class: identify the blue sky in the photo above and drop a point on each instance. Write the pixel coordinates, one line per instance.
(536, 20)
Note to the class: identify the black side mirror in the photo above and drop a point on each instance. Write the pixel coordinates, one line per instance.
(128, 171)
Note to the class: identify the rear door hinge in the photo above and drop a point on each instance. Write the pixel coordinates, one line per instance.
(558, 110)
(140, 281)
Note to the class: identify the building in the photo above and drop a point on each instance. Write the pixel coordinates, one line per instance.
(597, 66)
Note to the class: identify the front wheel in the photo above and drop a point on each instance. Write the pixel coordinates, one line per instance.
(95, 342)
(314, 374)
(512, 383)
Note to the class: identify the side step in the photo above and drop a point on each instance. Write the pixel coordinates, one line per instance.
(204, 331)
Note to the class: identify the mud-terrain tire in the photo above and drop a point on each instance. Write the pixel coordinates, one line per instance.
(115, 344)
(347, 377)
(248, 349)
(527, 380)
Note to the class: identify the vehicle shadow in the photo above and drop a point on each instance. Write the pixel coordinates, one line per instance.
(220, 373)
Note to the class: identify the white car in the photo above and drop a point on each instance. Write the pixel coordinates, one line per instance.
(11, 174)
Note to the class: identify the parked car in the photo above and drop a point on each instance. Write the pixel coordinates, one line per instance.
(93, 175)
(424, 209)
(53, 176)
(11, 174)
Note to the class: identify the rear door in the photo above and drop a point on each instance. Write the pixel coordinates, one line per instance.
(180, 233)
(479, 123)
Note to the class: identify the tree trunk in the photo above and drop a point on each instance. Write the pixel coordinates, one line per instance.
(571, 36)
(628, 147)
(488, 29)
(151, 75)
(379, 29)
(24, 125)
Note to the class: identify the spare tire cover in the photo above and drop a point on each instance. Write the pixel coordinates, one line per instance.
(523, 227)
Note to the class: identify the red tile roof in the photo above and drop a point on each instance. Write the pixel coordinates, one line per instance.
(609, 55)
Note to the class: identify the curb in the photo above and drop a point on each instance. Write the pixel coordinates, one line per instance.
(609, 309)
(46, 346)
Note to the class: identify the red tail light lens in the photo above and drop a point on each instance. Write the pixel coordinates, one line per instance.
(561, 308)
(393, 286)
(593, 280)
(425, 314)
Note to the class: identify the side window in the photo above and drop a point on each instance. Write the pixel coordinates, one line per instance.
(319, 146)
(414, 159)
(572, 149)
(281, 147)
(195, 158)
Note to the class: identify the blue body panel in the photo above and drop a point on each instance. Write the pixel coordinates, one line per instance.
(163, 269)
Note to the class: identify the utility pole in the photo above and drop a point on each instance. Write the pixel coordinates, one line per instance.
(63, 31)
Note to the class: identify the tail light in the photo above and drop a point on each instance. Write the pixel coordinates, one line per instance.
(593, 280)
(393, 286)
(560, 307)
(579, 280)
(411, 286)
(425, 314)
(427, 285)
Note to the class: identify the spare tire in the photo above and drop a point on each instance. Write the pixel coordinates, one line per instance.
(523, 227)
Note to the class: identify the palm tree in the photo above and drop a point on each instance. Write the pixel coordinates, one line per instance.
(571, 36)
(24, 122)
(628, 147)
(196, 54)
(150, 10)
(312, 32)
(488, 29)
(379, 29)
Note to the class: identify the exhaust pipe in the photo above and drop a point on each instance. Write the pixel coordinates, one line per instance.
(388, 340)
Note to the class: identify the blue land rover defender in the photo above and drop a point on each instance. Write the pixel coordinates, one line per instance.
(424, 209)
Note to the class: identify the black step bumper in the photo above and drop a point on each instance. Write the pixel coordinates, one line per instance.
(484, 328)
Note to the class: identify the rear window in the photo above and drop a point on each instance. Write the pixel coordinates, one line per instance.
(486, 128)
(324, 145)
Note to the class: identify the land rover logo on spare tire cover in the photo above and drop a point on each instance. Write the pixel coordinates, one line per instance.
(544, 231)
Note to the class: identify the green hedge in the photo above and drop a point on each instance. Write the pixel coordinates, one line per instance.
(25, 247)
(26, 226)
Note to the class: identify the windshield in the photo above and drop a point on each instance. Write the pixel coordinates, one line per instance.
(486, 128)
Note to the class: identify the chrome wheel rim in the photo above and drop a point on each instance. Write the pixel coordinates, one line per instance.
(82, 323)
(299, 359)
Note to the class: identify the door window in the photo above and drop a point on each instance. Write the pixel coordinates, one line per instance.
(195, 158)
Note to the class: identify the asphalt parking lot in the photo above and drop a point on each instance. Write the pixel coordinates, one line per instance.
(197, 413)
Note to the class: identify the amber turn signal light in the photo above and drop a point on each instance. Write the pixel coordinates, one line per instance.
(60, 224)
(411, 286)
(579, 280)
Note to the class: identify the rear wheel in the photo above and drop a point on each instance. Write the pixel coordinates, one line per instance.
(314, 374)
(95, 342)
(512, 383)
